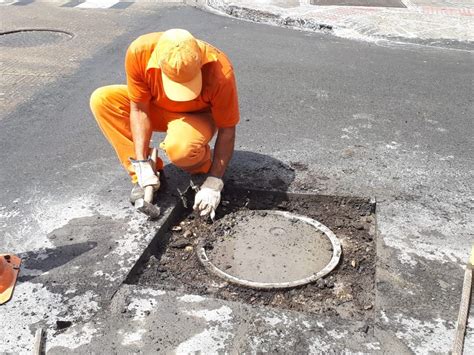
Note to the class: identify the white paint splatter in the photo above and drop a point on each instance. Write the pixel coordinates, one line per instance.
(336, 334)
(37, 304)
(402, 224)
(213, 338)
(191, 298)
(141, 307)
(423, 337)
(74, 338)
(272, 320)
(133, 337)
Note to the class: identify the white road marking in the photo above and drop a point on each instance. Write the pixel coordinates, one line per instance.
(97, 4)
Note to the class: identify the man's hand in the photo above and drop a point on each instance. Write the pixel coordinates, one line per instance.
(209, 196)
(145, 173)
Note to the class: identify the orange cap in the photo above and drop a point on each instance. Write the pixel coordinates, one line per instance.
(180, 60)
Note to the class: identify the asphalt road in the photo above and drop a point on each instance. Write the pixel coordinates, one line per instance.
(390, 122)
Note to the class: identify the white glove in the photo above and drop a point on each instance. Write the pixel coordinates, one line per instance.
(209, 196)
(145, 173)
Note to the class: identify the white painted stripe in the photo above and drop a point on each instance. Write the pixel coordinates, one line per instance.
(7, 2)
(97, 4)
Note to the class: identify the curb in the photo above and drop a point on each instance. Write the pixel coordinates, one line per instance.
(348, 27)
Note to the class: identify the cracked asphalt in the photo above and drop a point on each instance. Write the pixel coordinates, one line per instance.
(394, 123)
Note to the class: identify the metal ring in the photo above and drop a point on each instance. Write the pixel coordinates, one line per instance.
(336, 256)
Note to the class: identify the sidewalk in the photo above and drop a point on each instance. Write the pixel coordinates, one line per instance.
(429, 22)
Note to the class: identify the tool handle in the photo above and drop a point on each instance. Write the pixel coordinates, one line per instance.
(464, 308)
(148, 194)
(149, 189)
(154, 156)
(38, 345)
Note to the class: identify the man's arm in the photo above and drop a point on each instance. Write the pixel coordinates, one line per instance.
(209, 196)
(223, 150)
(141, 133)
(141, 128)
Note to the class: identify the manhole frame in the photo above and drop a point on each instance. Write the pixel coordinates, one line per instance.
(336, 256)
(54, 30)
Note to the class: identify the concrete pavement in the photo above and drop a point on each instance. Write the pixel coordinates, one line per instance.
(390, 122)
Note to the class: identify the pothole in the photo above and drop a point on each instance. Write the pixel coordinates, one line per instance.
(347, 291)
(269, 249)
(33, 37)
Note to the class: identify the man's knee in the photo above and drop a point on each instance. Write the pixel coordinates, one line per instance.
(184, 153)
(99, 98)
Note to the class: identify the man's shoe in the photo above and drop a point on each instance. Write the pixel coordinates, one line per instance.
(136, 193)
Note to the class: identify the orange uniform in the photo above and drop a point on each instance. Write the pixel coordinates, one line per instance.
(190, 125)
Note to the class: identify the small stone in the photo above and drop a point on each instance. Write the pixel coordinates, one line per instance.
(189, 248)
(354, 263)
(176, 228)
(347, 153)
(179, 244)
(368, 307)
(187, 234)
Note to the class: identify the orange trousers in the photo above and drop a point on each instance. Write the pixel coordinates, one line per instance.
(187, 134)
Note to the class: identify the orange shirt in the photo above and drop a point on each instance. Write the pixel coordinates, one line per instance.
(219, 90)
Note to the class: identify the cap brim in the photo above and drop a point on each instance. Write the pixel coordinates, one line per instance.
(182, 91)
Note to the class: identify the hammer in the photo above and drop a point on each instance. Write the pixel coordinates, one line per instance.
(145, 204)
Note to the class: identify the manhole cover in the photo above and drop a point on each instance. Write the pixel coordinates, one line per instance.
(270, 249)
(33, 38)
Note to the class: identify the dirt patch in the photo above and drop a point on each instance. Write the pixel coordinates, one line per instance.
(348, 291)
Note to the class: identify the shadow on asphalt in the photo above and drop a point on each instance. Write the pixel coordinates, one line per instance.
(47, 259)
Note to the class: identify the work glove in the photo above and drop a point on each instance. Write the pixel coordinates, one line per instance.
(208, 197)
(145, 173)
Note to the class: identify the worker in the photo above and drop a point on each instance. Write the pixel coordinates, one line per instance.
(182, 86)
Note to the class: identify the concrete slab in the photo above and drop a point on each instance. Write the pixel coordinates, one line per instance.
(148, 320)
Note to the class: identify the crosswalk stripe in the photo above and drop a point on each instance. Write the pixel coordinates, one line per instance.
(97, 4)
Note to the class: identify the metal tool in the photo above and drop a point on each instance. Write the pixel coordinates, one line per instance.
(185, 195)
(145, 204)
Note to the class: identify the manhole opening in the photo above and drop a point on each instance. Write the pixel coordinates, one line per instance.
(347, 291)
(26, 38)
(268, 249)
